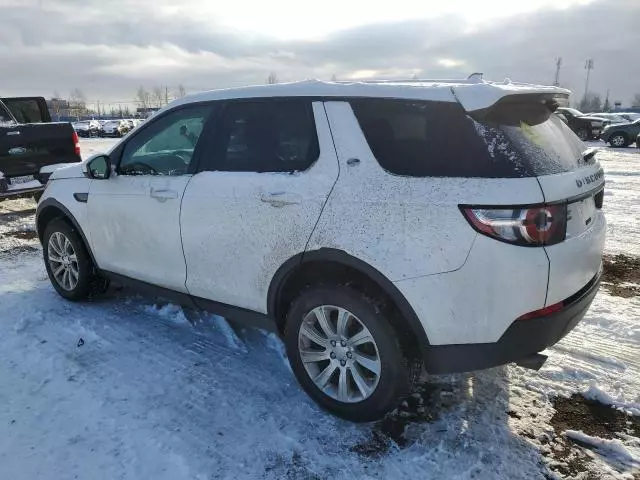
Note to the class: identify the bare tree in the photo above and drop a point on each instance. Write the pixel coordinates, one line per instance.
(158, 97)
(180, 91)
(56, 104)
(636, 100)
(272, 78)
(592, 102)
(143, 98)
(77, 103)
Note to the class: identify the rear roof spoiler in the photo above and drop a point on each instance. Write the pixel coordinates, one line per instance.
(474, 97)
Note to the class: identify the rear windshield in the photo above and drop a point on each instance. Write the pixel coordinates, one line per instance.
(439, 139)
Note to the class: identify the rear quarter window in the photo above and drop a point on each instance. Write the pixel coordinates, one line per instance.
(439, 139)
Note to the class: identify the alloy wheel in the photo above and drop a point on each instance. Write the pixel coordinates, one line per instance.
(339, 354)
(63, 261)
(617, 141)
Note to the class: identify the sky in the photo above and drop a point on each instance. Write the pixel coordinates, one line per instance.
(108, 48)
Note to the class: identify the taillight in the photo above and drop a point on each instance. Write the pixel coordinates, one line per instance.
(76, 142)
(527, 226)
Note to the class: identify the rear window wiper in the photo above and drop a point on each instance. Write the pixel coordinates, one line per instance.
(588, 155)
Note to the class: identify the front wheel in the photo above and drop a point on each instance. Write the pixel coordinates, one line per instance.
(67, 261)
(346, 354)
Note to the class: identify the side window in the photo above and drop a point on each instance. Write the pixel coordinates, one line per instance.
(433, 139)
(267, 136)
(421, 139)
(167, 145)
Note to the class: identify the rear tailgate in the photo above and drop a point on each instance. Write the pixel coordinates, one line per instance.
(24, 149)
(577, 260)
(540, 145)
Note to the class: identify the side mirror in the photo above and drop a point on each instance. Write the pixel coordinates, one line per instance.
(99, 168)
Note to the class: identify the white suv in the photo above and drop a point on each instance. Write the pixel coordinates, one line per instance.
(377, 226)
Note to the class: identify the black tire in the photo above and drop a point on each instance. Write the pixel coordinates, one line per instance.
(619, 137)
(582, 134)
(86, 276)
(398, 372)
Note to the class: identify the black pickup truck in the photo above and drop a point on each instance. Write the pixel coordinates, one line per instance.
(29, 141)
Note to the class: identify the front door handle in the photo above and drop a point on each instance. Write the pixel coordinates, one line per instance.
(163, 193)
(280, 199)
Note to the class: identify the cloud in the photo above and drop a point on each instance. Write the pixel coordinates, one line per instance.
(109, 51)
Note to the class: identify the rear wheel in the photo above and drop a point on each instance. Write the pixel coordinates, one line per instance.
(346, 355)
(618, 140)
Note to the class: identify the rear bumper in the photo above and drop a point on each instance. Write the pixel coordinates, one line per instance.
(521, 339)
(7, 190)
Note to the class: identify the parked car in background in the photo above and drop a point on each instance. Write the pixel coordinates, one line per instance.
(115, 128)
(629, 116)
(609, 118)
(584, 126)
(32, 146)
(87, 128)
(371, 261)
(621, 134)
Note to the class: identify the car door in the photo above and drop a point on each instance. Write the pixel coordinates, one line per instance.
(263, 183)
(134, 215)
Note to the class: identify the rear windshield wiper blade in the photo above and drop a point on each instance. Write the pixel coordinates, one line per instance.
(588, 154)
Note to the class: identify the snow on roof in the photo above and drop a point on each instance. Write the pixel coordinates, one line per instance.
(472, 94)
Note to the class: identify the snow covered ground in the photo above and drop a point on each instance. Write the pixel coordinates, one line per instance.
(126, 388)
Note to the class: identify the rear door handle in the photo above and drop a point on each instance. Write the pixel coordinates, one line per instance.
(163, 193)
(13, 132)
(280, 199)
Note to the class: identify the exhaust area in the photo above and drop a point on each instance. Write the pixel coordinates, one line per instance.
(532, 362)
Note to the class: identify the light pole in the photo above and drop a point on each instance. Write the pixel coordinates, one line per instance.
(588, 66)
(558, 65)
